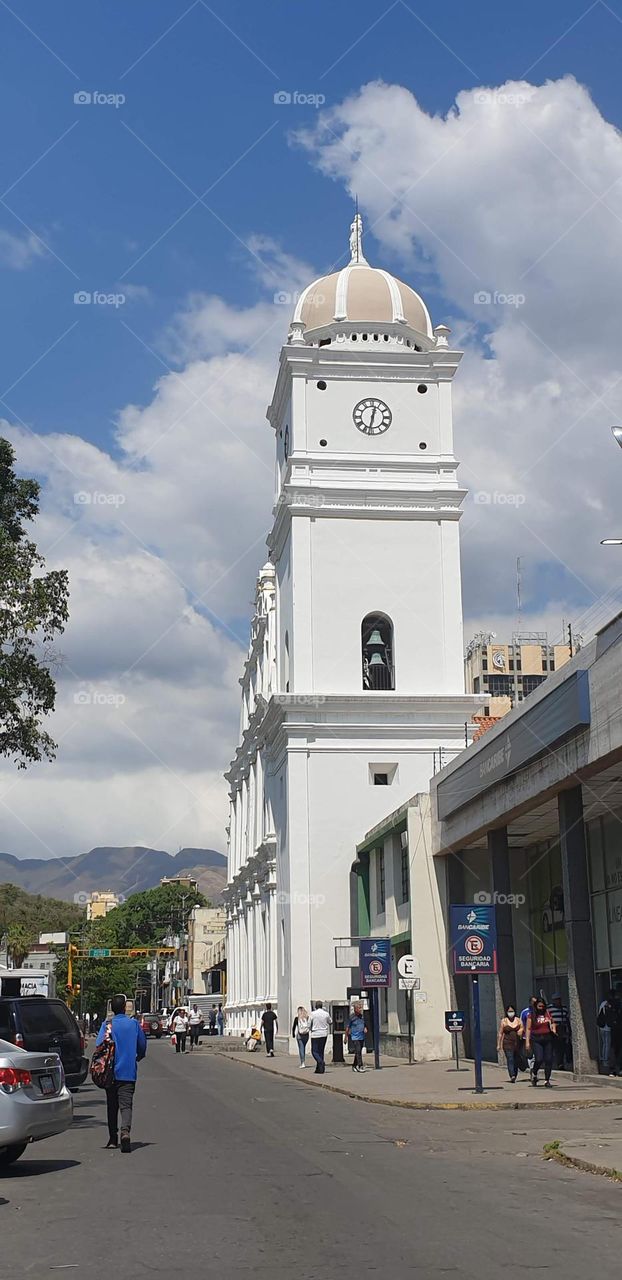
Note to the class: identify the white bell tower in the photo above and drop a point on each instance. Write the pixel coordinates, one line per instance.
(354, 685)
(367, 494)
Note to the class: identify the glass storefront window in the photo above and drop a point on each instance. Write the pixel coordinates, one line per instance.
(600, 932)
(612, 838)
(546, 911)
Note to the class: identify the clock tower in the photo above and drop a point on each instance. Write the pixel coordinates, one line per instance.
(354, 686)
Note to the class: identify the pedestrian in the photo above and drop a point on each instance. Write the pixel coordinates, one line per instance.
(355, 1035)
(269, 1024)
(194, 1026)
(180, 1030)
(88, 1024)
(212, 1020)
(320, 1023)
(300, 1032)
(220, 1021)
(563, 1034)
(540, 1034)
(511, 1032)
(610, 1023)
(130, 1045)
(523, 1017)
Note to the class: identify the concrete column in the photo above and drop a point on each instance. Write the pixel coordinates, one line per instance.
(505, 981)
(581, 984)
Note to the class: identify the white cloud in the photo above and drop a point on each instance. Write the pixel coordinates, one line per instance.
(18, 251)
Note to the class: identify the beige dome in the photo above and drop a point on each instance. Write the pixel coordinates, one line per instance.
(361, 295)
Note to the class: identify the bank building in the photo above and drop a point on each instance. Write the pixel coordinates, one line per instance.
(353, 687)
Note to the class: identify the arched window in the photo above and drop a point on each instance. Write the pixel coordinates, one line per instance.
(377, 652)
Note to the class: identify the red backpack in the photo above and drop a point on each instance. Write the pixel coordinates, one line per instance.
(102, 1062)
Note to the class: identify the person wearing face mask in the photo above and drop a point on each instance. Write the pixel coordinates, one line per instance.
(510, 1035)
(540, 1035)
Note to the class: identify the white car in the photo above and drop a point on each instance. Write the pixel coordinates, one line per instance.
(35, 1102)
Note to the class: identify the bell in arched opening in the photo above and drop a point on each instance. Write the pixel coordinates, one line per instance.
(377, 652)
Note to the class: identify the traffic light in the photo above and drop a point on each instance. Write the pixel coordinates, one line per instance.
(143, 952)
(167, 951)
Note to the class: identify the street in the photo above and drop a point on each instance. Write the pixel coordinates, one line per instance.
(235, 1172)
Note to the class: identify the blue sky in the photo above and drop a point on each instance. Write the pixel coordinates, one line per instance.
(199, 99)
(483, 142)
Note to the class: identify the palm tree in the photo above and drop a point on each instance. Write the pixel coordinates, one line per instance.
(19, 940)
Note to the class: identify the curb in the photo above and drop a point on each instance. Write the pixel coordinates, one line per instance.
(554, 1104)
(584, 1166)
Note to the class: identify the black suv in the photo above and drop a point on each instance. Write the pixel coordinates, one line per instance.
(41, 1025)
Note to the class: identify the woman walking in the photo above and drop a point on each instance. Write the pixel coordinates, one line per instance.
(300, 1032)
(180, 1031)
(540, 1036)
(510, 1036)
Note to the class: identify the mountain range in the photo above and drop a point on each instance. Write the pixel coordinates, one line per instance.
(125, 870)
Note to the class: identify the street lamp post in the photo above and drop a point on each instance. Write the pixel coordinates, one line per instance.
(614, 542)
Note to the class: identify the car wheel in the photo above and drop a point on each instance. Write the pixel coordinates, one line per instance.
(8, 1155)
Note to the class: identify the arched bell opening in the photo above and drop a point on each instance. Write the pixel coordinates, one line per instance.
(377, 652)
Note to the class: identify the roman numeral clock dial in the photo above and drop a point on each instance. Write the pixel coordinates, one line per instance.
(372, 417)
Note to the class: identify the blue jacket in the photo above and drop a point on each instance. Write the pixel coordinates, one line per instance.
(356, 1027)
(130, 1045)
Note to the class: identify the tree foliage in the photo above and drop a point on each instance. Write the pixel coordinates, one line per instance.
(33, 611)
(36, 913)
(146, 919)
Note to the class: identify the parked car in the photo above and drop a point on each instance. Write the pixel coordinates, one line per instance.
(35, 1102)
(41, 1025)
(153, 1025)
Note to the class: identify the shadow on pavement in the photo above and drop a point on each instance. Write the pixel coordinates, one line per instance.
(34, 1168)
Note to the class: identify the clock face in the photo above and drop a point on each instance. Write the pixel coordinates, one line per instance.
(372, 416)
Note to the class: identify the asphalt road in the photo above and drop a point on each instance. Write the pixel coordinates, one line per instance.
(237, 1173)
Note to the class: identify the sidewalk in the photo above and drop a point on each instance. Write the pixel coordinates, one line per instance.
(433, 1085)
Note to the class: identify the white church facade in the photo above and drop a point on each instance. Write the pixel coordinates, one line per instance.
(354, 678)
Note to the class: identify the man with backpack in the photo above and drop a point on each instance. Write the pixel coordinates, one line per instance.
(130, 1045)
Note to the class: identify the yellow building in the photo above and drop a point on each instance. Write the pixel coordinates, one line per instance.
(505, 674)
(100, 902)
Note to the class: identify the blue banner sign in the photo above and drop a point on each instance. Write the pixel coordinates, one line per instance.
(455, 1020)
(375, 962)
(473, 939)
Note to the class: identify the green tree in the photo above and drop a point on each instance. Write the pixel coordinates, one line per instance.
(33, 610)
(19, 939)
(36, 912)
(147, 918)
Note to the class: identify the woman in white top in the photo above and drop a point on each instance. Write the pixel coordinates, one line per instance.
(300, 1032)
(180, 1030)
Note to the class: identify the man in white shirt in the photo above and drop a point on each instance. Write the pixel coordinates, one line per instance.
(320, 1023)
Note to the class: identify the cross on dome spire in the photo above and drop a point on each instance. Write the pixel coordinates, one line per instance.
(356, 239)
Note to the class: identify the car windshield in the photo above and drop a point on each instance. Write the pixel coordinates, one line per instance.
(43, 1016)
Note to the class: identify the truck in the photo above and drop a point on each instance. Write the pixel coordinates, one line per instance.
(27, 982)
